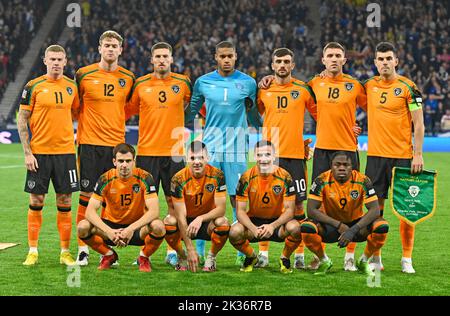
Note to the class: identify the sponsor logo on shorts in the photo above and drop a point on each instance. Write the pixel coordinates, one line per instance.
(85, 183)
(136, 188)
(209, 187)
(277, 189)
(354, 194)
(291, 189)
(31, 184)
(175, 89)
(122, 82)
(349, 86)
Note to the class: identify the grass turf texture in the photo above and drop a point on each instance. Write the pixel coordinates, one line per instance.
(431, 255)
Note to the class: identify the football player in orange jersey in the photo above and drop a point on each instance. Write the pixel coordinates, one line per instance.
(394, 106)
(105, 88)
(46, 107)
(199, 197)
(160, 99)
(337, 96)
(283, 105)
(131, 215)
(269, 193)
(343, 193)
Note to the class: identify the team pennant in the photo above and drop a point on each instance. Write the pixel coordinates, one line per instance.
(413, 197)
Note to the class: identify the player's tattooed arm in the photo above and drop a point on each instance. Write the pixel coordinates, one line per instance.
(22, 126)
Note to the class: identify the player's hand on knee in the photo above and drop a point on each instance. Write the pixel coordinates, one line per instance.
(265, 231)
(348, 236)
(265, 82)
(194, 227)
(125, 236)
(31, 163)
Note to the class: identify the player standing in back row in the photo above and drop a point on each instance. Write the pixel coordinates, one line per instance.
(230, 96)
(105, 88)
(394, 106)
(160, 98)
(47, 105)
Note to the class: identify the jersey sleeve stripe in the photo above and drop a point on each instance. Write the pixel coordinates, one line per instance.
(84, 75)
(143, 181)
(32, 88)
(185, 81)
(307, 88)
(129, 75)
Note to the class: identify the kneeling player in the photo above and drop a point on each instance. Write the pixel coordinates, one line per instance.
(343, 192)
(271, 194)
(131, 212)
(199, 198)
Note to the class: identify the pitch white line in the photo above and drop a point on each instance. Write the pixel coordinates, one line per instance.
(12, 166)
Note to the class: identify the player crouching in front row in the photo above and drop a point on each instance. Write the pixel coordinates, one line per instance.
(131, 215)
(199, 198)
(270, 192)
(343, 192)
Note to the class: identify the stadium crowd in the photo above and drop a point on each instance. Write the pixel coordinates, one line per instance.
(420, 32)
(19, 21)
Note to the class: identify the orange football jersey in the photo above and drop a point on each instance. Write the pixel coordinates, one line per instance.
(337, 99)
(51, 103)
(343, 202)
(265, 194)
(160, 105)
(125, 199)
(103, 96)
(198, 194)
(390, 125)
(284, 107)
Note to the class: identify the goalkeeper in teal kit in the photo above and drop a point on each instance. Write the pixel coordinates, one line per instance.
(229, 96)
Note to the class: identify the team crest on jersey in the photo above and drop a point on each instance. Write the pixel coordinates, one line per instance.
(349, 86)
(175, 89)
(69, 90)
(31, 184)
(276, 189)
(354, 194)
(84, 183)
(295, 94)
(122, 82)
(209, 187)
(136, 188)
(397, 91)
(239, 86)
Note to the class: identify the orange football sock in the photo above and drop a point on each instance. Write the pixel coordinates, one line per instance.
(173, 238)
(64, 223)
(290, 244)
(263, 245)
(219, 237)
(34, 224)
(152, 243)
(97, 243)
(245, 248)
(312, 239)
(377, 238)
(407, 237)
(300, 249)
(82, 205)
(351, 247)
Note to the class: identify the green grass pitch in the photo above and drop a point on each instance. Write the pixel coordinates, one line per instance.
(431, 256)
